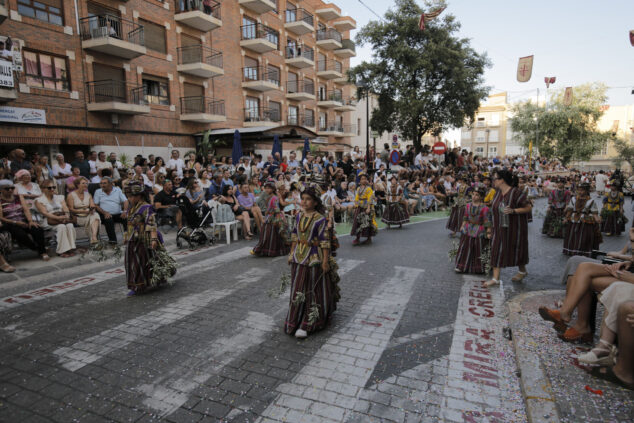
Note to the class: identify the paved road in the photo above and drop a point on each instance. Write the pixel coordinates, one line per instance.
(411, 341)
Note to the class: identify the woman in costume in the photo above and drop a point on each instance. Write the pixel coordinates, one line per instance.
(509, 227)
(364, 223)
(395, 213)
(488, 199)
(473, 242)
(526, 190)
(583, 233)
(143, 244)
(459, 203)
(612, 216)
(558, 200)
(274, 236)
(314, 278)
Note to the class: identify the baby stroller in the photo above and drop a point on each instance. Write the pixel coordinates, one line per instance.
(197, 230)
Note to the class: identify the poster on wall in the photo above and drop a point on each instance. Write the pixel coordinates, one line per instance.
(22, 115)
(6, 74)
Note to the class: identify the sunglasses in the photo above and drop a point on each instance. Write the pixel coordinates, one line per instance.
(49, 187)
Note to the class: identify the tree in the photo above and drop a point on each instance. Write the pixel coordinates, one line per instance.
(625, 152)
(568, 133)
(425, 81)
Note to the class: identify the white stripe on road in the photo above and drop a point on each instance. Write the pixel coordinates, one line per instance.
(420, 335)
(17, 333)
(328, 386)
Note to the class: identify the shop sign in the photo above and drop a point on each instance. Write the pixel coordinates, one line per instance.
(22, 115)
(6, 74)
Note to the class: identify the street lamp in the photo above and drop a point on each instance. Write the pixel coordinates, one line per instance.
(487, 142)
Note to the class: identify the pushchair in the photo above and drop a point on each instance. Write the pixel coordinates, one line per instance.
(197, 231)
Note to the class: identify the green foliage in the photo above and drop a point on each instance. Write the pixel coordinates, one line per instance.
(426, 81)
(625, 152)
(567, 133)
(285, 282)
(163, 267)
(125, 160)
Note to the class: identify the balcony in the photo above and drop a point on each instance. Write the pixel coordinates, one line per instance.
(202, 110)
(328, 12)
(343, 80)
(113, 96)
(259, 38)
(110, 34)
(330, 100)
(329, 69)
(196, 15)
(4, 12)
(258, 6)
(345, 24)
(260, 78)
(257, 116)
(201, 61)
(308, 121)
(300, 90)
(299, 22)
(347, 50)
(329, 39)
(348, 104)
(349, 130)
(300, 57)
(325, 130)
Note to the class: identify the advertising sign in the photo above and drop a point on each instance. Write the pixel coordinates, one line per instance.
(6, 74)
(22, 115)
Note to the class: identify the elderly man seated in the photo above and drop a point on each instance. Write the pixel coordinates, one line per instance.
(111, 204)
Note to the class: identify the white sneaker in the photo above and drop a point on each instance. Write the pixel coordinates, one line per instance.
(301, 333)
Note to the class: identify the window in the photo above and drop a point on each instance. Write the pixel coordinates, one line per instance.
(154, 36)
(466, 135)
(252, 109)
(293, 113)
(358, 126)
(479, 150)
(323, 121)
(309, 118)
(495, 119)
(273, 36)
(250, 71)
(273, 75)
(493, 136)
(275, 111)
(481, 123)
(322, 93)
(45, 10)
(156, 90)
(480, 137)
(249, 28)
(45, 71)
(493, 150)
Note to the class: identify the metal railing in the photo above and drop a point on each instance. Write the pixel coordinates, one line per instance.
(301, 86)
(308, 120)
(258, 31)
(201, 104)
(329, 34)
(199, 54)
(348, 45)
(298, 15)
(329, 65)
(306, 52)
(262, 114)
(335, 95)
(349, 128)
(113, 90)
(293, 120)
(348, 101)
(111, 26)
(191, 5)
(261, 73)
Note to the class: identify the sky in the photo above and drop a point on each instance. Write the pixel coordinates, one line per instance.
(576, 41)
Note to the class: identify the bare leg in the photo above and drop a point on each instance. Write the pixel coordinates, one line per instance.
(580, 284)
(94, 231)
(246, 222)
(624, 368)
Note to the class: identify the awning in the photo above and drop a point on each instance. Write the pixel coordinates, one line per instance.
(285, 132)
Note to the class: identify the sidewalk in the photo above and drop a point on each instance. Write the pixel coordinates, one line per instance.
(553, 382)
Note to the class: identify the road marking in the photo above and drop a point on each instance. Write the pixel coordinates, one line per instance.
(420, 335)
(342, 366)
(17, 333)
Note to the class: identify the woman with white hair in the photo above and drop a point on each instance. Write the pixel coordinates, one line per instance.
(27, 189)
(61, 172)
(56, 216)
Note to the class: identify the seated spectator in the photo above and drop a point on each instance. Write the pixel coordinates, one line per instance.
(56, 216)
(61, 171)
(195, 194)
(159, 181)
(111, 204)
(214, 192)
(240, 213)
(82, 207)
(128, 176)
(16, 219)
(70, 181)
(205, 183)
(27, 189)
(247, 201)
(165, 204)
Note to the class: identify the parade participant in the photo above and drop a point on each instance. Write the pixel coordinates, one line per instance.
(582, 223)
(395, 212)
(274, 236)
(314, 278)
(488, 199)
(459, 202)
(558, 199)
(473, 241)
(364, 223)
(143, 242)
(509, 227)
(612, 217)
(526, 190)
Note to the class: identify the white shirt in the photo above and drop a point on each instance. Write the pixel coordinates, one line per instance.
(601, 180)
(95, 179)
(62, 171)
(293, 163)
(177, 164)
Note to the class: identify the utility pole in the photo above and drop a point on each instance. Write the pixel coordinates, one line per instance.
(487, 142)
(367, 129)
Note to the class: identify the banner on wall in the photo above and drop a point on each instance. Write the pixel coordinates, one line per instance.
(6, 74)
(22, 115)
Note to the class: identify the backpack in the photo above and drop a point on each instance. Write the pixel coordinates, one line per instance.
(224, 214)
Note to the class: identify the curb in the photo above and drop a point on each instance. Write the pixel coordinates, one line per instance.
(541, 406)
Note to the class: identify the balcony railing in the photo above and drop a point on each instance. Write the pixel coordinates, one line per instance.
(348, 101)
(192, 5)
(262, 114)
(349, 128)
(335, 95)
(199, 54)
(348, 45)
(116, 91)
(308, 121)
(300, 86)
(259, 31)
(329, 34)
(104, 26)
(261, 73)
(300, 51)
(297, 15)
(293, 120)
(202, 105)
(329, 65)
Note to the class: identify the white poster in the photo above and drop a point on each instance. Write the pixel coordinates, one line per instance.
(6, 74)
(22, 115)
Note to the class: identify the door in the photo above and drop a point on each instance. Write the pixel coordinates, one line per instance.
(108, 84)
(194, 100)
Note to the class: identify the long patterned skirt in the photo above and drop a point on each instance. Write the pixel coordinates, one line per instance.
(509, 246)
(395, 214)
(455, 219)
(138, 268)
(554, 223)
(612, 223)
(314, 297)
(271, 243)
(362, 225)
(469, 257)
(581, 238)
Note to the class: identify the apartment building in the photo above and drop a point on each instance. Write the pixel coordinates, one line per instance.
(150, 74)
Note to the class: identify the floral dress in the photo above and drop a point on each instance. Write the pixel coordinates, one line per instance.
(274, 236)
(364, 223)
(612, 218)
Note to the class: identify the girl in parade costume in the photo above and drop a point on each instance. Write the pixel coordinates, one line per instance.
(274, 236)
(314, 278)
(582, 234)
(459, 203)
(509, 227)
(364, 223)
(488, 199)
(143, 244)
(395, 213)
(473, 241)
(613, 219)
(558, 199)
(526, 190)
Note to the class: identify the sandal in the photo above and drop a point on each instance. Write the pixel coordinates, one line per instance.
(554, 316)
(7, 268)
(591, 356)
(574, 336)
(519, 277)
(492, 282)
(607, 373)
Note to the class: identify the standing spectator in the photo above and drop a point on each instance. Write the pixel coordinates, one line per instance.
(19, 162)
(56, 216)
(601, 181)
(110, 203)
(102, 164)
(61, 171)
(81, 164)
(176, 163)
(356, 154)
(92, 161)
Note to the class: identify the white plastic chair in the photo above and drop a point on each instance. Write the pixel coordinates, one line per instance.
(228, 226)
